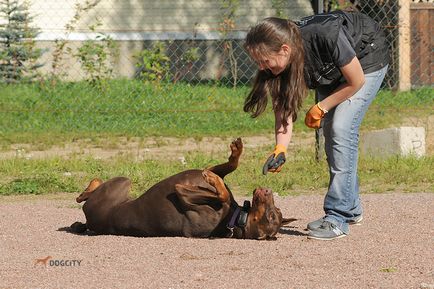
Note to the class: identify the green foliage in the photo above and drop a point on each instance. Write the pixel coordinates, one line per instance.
(46, 114)
(394, 108)
(279, 7)
(229, 9)
(186, 63)
(18, 53)
(22, 186)
(301, 175)
(153, 64)
(96, 57)
(61, 45)
(191, 55)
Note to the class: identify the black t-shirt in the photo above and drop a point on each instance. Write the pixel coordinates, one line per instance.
(342, 55)
(332, 40)
(344, 52)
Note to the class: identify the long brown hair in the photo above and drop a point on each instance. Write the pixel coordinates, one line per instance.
(287, 89)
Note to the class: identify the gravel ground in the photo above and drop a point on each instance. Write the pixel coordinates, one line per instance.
(393, 248)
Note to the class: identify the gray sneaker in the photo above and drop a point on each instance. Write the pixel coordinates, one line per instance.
(357, 221)
(327, 231)
(317, 223)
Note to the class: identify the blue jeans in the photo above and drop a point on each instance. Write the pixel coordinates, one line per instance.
(341, 133)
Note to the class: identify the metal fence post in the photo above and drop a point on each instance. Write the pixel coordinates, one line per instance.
(320, 6)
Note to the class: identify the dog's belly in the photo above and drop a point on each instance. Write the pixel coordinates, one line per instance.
(145, 220)
(159, 212)
(135, 219)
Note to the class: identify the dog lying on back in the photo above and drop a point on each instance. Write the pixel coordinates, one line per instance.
(193, 203)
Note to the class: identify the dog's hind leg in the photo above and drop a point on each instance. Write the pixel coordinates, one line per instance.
(192, 197)
(232, 164)
(217, 182)
(93, 185)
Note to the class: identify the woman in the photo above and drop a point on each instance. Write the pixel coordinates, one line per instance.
(344, 57)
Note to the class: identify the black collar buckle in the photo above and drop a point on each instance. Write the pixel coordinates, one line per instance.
(244, 213)
(239, 218)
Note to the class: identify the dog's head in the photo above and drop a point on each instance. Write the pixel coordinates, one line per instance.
(264, 219)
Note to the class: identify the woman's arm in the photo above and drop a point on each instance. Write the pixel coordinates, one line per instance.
(355, 78)
(283, 134)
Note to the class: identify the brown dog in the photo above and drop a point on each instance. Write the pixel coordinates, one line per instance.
(193, 203)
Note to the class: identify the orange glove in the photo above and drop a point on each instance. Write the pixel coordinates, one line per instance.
(275, 161)
(314, 116)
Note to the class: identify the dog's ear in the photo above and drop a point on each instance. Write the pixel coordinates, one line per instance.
(272, 216)
(286, 221)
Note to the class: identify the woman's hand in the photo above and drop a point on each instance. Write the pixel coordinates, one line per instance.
(314, 116)
(353, 74)
(275, 161)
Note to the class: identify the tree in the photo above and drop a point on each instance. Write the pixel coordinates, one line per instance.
(18, 52)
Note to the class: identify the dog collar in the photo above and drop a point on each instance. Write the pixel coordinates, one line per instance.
(239, 217)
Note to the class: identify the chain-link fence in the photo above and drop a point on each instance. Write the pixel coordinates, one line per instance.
(408, 26)
(179, 42)
(199, 41)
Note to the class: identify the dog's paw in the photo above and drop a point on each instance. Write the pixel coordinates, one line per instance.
(237, 147)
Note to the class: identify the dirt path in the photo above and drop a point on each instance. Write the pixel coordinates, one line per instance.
(393, 248)
(173, 148)
(147, 148)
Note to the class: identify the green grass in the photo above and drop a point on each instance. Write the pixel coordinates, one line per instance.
(41, 115)
(127, 108)
(44, 114)
(395, 108)
(301, 175)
